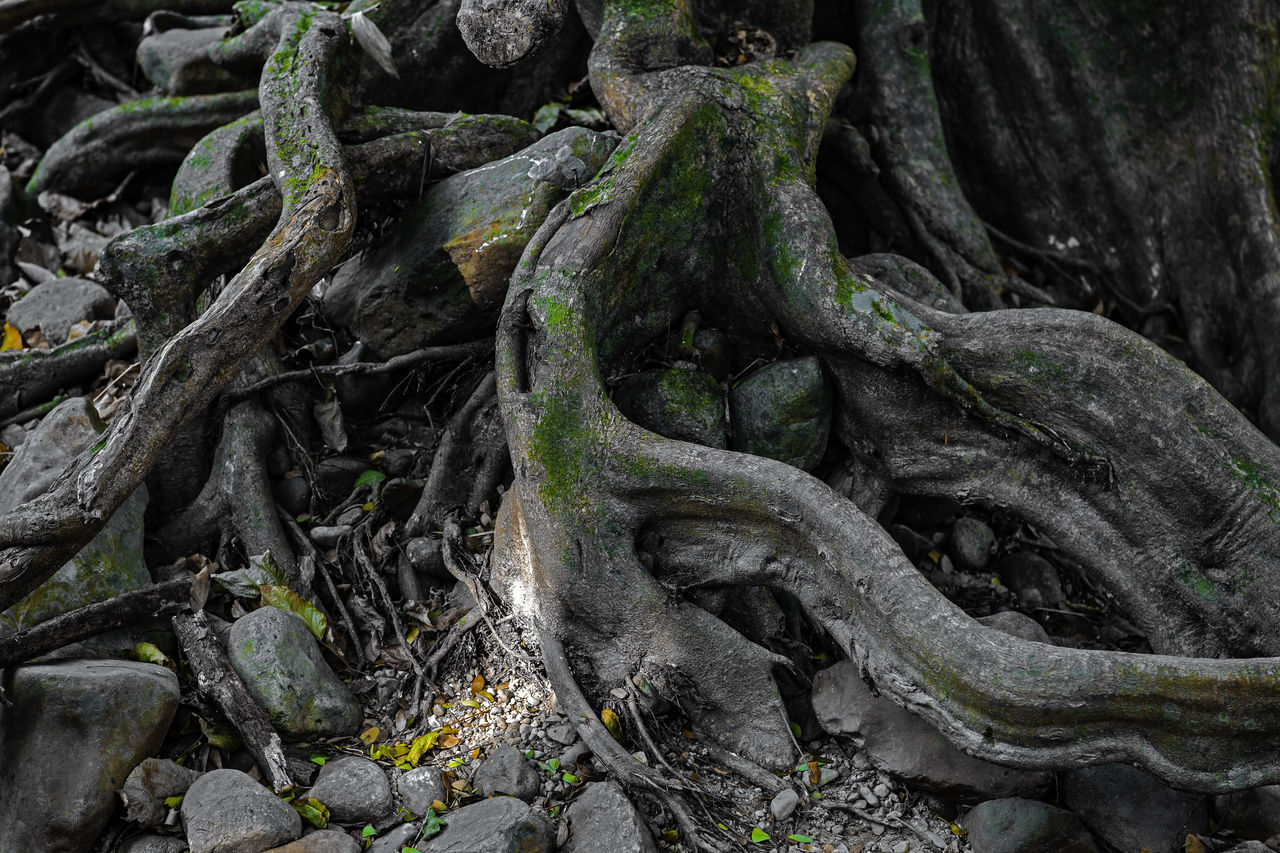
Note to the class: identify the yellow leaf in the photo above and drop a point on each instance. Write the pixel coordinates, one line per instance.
(290, 602)
(411, 636)
(399, 750)
(1194, 845)
(459, 785)
(437, 806)
(475, 753)
(369, 735)
(612, 723)
(367, 507)
(486, 694)
(477, 684)
(148, 653)
(470, 703)
(935, 556)
(12, 338)
(420, 745)
(313, 811)
(449, 742)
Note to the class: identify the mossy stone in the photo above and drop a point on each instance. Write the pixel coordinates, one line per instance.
(683, 404)
(783, 411)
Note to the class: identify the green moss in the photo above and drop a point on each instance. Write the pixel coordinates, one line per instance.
(1036, 367)
(1256, 479)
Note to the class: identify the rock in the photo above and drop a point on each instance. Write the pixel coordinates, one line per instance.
(281, 664)
(1130, 809)
(324, 841)
(603, 820)
(71, 427)
(225, 811)
(336, 475)
(683, 404)
(1017, 624)
(506, 771)
(443, 271)
(1015, 825)
(177, 62)
(904, 745)
(971, 542)
(153, 844)
(784, 803)
(399, 496)
(563, 732)
(57, 305)
(419, 788)
(912, 544)
(1032, 578)
(294, 494)
(147, 787)
(362, 396)
(1253, 814)
(1251, 846)
(496, 825)
(715, 352)
(392, 840)
(354, 788)
(73, 734)
(783, 411)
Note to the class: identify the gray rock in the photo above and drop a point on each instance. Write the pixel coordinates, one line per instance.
(1253, 814)
(971, 542)
(177, 62)
(1017, 624)
(1015, 825)
(497, 825)
(1032, 578)
(392, 840)
(362, 396)
(784, 803)
(294, 494)
(683, 404)
(1130, 809)
(153, 844)
(912, 544)
(75, 731)
(149, 785)
(506, 771)
(225, 811)
(783, 411)
(563, 733)
(324, 841)
(13, 436)
(336, 475)
(57, 305)
(603, 820)
(443, 270)
(281, 664)
(1251, 846)
(714, 351)
(419, 788)
(901, 743)
(354, 788)
(71, 427)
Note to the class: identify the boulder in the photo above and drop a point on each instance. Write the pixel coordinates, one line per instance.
(971, 542)
(225, 811)
(783, 411)
(149, 785)
(1015, 825)
(1032, 578)
(603, 820)
(281, 665)
(497, 825)
(1017, 624)
(55, 306)
(153, 844)
(904, 745)
(70, 427)
(506, 771)
(73, 734)
(354, 789)
(1253, 814)
(683, 404)
(1130, 809)
(177, 62)
(419, 788)
(324, 841)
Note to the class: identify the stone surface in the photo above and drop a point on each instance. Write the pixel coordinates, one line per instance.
(1015, 825)
(497, 825)
(71, 427)
(1032, 578)
(393, 839)
(901, 743)
(419, 788)
(151, 782)
(784, 803)
(683, 404)
(1252, 814)
(75, 731)
(57, 305)
(354, 788)
(324, 841)
(1130, 809)
(1017, 624)
(336, 475)
(507, 771)
(225, 811)
(280, 662)
(971, 542)
(153, 844)
(442, 272)
(783, 411)
(603, 820)
(177, 62)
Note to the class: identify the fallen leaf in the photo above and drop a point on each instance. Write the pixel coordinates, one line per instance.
(333, 428)
(373, 42)
(290, 602)
(758, 835)
(313, 811)
(477, 684)
(369, 735)
(12, 338)
(612, 723)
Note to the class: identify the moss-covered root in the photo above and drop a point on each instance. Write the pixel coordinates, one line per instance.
(909, 147)
(29, 377)
(141, 134)
(219, 164)
(184, 374)
(500, 33)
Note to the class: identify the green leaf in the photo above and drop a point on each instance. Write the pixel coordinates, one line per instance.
(795, 729)
(290, 602)
(173, 802)
(454, 762)
(570, 778)
(148, 653)
(267, 563)
(470, 703)
(369, 477)
(547, 116)
(420, 745)
(317, 758)
(554, 764)
(220, 736)
(431, 825)
(758, 835)
(799, 839)
(368, 831)
(313, 811)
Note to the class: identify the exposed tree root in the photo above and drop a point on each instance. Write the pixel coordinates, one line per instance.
(31, 376)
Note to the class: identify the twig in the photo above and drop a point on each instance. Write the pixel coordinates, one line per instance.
(122, 610)
(749, 770)
(649, 742)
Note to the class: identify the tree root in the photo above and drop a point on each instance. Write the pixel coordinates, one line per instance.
(32, 375)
